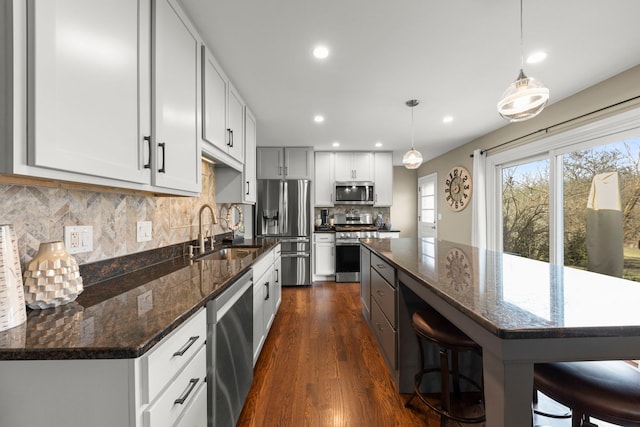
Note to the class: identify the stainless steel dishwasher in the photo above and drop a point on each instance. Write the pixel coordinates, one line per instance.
(230, 351)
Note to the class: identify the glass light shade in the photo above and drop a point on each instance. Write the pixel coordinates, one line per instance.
(412, 159)
(524, 99)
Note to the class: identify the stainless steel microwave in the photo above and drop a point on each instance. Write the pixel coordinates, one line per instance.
(354, 193)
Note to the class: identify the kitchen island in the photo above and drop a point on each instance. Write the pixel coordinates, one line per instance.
(520, 311)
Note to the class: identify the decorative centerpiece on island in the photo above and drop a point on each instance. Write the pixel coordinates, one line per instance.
(12, 310)
(52, 278)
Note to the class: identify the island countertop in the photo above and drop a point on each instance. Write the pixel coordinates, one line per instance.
(514, 297)
(126, 316)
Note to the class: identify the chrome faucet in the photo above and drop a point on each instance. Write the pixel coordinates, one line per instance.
(201, 237)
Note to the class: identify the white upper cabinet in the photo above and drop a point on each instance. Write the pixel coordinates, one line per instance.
(214, 103)
(324, 178)
(250, 138)
(175, 100)
(101, 93)
(222, 115)
(383, 179)
(356, 166)
(285, 163)
(236, 125)
(87, 86)
(233, 186)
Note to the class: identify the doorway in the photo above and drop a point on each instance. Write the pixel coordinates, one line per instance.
(427, 206)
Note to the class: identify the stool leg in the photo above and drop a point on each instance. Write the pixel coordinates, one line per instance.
(445, 394)
(455, 373)
(408, 402)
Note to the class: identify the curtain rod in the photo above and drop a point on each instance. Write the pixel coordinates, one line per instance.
(545, 130)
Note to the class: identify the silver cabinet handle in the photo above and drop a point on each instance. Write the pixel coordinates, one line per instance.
(185, 396)
(185, 347)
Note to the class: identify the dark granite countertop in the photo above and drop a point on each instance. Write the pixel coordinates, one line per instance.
(126, 316)
(514, 297)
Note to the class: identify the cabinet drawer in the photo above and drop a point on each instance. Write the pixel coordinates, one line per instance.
(385, 334)
(385, 270)
(167, 408)
(385, 296)
(169, 356)
(324, 237)
(262, 265)
(195, 414)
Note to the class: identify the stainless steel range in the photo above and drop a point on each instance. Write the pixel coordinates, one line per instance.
(349, 229)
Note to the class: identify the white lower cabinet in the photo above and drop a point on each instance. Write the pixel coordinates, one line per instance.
(324, 256)
(139, 392)
(266, 297)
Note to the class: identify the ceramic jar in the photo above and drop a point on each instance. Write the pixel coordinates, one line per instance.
(52, 278)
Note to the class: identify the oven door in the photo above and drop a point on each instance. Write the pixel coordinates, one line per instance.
(348, 261)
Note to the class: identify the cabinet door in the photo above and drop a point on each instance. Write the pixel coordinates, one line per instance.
(324, 255)
(324, 178)
(365, 282)
(362, 166)
(249, 190)
(270, 163)
(88, 87)
(214, 102)
(298, 163)
(258, 318)
(343, 167)
(383, 178)
(236, 125)
(277, 291)
(175, 100)
(270, 300)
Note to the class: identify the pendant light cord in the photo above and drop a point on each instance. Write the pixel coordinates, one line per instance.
(412, 128)
(521, 39)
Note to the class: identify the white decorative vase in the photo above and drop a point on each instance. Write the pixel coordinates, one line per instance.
(12, 309)
(52, 278)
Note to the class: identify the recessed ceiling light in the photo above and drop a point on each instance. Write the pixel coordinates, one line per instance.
(336, 144)
(318, 119)
(321, 52)
(447, 119)
(536, 57)
(378, 144)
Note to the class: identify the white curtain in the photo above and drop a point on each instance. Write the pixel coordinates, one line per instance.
(479, 201)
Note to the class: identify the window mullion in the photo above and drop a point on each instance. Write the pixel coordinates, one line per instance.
(556, 216)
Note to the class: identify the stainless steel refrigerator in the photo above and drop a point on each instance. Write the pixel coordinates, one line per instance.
(284, 211)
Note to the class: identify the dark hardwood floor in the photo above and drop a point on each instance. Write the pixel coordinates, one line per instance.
(320, 366)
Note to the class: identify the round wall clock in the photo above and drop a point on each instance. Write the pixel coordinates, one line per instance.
(457, 188)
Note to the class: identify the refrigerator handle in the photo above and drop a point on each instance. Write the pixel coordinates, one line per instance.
(296, 255)
(284, 207)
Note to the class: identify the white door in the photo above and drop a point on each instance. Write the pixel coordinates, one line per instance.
(427, 207)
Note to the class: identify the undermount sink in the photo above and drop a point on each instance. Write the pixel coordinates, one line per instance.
(229, 253)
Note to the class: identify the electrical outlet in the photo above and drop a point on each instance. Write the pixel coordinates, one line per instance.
(78, 238)
(143, 231)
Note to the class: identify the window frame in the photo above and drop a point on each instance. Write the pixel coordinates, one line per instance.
(551, 147)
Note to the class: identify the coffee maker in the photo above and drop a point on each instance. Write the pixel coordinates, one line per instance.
(324, 216)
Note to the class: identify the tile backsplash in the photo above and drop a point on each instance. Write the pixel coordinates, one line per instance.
(39, 214)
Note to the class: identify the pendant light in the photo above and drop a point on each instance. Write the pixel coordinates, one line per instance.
(526, 97)
(412, 159)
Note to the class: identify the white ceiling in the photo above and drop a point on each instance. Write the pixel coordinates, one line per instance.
(457, 57)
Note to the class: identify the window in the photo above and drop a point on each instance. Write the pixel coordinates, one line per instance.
(571, 199)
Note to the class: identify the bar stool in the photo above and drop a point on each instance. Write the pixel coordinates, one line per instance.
(607, 390)
(432, 326)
